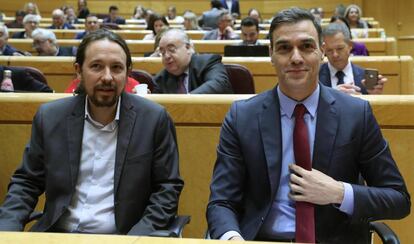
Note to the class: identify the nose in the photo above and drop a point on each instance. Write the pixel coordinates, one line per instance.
(296, 56)
(107, 75)
(335, 54)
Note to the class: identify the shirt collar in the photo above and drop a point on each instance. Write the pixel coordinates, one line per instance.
(333, 70)
(287, 104)
(89, 118)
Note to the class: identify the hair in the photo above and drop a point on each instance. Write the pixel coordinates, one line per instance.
(3, 28)
(192, 17)
(254, 9)
(157, 38)
(222, 14)
(153, 18)
(216, 4)
(20, 13)
(142, 8)
(58, 12)
(180, 34)
(102, 34)
(292, 16)
(31, 17)
(343, 20)
(44, 34)
(113, 7)
(348, 9)
(36, 9)
(335, 28)
(340, 10)
(172, 8)
(249, 21)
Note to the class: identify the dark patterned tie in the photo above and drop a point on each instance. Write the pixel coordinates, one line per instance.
(340, 75)
(305, 221)
(181, 84)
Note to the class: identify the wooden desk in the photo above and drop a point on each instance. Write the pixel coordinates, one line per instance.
(198, 133)
(376, 46)
(59, 71)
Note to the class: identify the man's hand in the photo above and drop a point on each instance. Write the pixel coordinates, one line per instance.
(314, 187)
(349, 89)
(379, 87)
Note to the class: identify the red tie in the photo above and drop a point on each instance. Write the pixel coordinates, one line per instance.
(305, 221)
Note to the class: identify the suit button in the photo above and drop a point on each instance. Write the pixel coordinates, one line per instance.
(262, 218)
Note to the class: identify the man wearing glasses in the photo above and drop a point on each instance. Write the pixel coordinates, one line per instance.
(45, 43)
(186, 72)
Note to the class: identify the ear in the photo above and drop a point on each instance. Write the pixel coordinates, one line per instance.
(78, 70)
(271, 56)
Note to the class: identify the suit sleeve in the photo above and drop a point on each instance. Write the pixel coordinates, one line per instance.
(227, 186)
(27, 183)
(214, 78)
(166, 181)
(385, 196)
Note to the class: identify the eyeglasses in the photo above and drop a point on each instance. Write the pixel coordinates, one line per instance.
(171, 49)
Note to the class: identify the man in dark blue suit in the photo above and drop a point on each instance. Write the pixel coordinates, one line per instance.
(339, 72)
(233, 6)
(259, 187)
(6, 49)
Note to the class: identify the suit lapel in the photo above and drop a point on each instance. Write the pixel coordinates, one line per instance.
(326, 130)
(270, 129)
(125, 129)
(75, 123)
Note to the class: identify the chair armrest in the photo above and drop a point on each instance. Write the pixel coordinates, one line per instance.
(386, 234)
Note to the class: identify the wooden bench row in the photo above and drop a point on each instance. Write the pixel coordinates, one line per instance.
(376, 46)
(198, 134)
(59, 70)
(194, 34)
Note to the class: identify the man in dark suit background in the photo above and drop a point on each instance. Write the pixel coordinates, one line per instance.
(233, 7)
(339, 72)
(113, 16)
(107, 160)
(260, 188)
(224, 30)
(185, 72)
(209, 18)
(45, 43)
(5, 48)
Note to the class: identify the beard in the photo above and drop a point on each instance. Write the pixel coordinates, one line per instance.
(102, 100)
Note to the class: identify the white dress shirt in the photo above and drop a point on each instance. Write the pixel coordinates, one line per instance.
(348, 78)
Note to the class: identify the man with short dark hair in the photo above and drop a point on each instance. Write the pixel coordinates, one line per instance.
(106, 160)
(91, 24)
(339, 72)
(224, 30)
(113, 16)
(250, 31)
(18, 20)
(186, 72)
(289, 160)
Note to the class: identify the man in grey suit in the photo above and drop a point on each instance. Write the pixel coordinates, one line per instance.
(210, 17)
(106, 160)
(224, 31)
(186, 72)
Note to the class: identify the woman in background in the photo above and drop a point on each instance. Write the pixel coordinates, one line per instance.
(155, 23)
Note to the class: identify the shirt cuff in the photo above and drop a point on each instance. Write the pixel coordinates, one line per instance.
(229, 234)
(347, 205)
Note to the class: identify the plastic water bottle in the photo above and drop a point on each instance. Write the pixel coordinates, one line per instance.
(7, 84)
(383, 35)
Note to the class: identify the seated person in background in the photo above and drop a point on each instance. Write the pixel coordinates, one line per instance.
(59, 21)
(224, 31)
(18, 20)
(30, 22)
(289, 160)
(190, 21)
(187, 72)
(139, 12)
(249, 31)
(172, 15)
(83, 10)
(44, 41)
(209, 18)
(339, 72)
(91, 24)
(113, 16)
(353, 15)
(24, 81)
(6, 49)
(358, 48)
(156, 52)
(232, 6)
(71, 16)
(106, 160)
(317, 13)
(155, 24)
(31, 8)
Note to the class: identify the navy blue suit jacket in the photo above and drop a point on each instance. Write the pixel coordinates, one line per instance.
(9, 50)
(348, 142)
(235, 7)
(325, 76)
